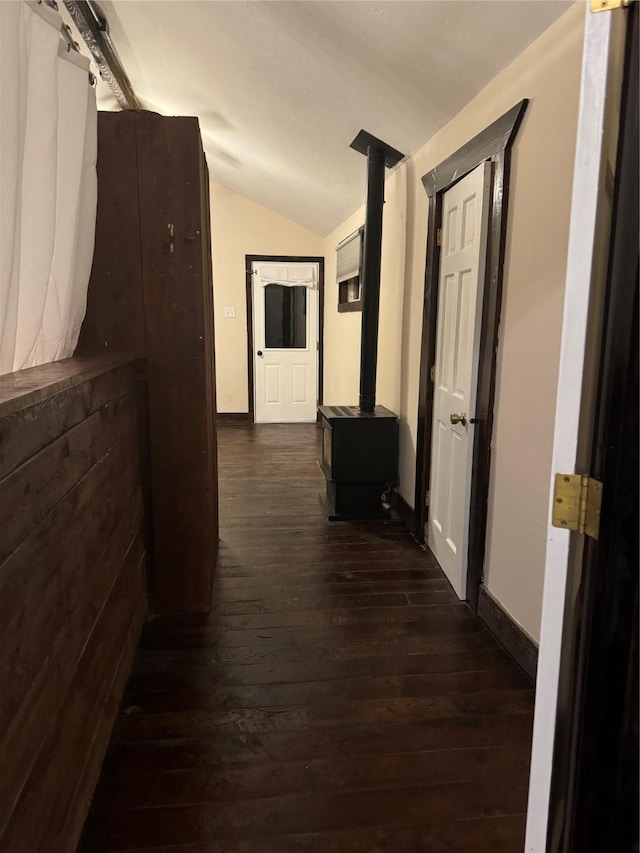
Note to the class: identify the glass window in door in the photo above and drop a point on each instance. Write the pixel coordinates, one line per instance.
(285, 317)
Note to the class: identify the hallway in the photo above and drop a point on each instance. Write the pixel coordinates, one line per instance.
(338, 699)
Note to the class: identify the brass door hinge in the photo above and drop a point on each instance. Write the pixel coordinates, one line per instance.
(608, 5)
(432, 373)
(576, 504)
(439, 237)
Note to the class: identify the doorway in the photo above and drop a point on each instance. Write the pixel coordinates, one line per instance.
(594, 793)
(284, 337)
(465, 209)
(492, 147)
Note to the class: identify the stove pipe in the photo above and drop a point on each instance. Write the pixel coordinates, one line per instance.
(371, 255)
(379, 155)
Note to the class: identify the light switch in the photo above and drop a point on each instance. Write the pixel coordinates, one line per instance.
(230, 312)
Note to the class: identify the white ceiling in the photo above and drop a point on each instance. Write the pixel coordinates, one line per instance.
(281, 88)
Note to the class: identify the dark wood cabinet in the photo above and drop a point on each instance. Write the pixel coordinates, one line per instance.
(151, 295)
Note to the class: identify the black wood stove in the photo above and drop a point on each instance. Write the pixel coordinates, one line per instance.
(360, 443)
(359, 460)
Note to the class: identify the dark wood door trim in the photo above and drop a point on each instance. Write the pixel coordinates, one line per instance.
(288, 259)
(493, 144)
(594, 794)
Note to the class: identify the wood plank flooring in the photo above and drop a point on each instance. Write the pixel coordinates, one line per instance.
(338, 699)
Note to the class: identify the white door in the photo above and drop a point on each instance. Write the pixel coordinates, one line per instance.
(461, 285)
(285, 342)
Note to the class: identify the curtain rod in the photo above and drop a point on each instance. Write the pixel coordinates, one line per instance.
(67, 35)
(94, 29)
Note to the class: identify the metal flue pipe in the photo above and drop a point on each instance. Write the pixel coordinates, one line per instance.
(372, 254)
(379, 155)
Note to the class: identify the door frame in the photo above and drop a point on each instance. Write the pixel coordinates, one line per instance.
(494, 143)
(595, 711)
(589, 228)
(249, 260)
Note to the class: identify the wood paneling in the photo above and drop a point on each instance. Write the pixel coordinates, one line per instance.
(338, 698)
(179, 364)
(114, 320)
(151, 294)
(88, 383)
(72, 588)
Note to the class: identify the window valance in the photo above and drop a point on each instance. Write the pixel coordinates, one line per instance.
(288, 275)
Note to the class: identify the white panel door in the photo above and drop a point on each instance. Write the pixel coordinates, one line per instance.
(461, 285)
(285, 346)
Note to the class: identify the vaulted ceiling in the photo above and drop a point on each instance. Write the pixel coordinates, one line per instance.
(281, 88)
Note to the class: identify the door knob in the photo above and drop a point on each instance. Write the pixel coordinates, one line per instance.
(459, 419)
(259, 352)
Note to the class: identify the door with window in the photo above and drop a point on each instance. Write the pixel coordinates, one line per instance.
(462, 267)
(285, 341)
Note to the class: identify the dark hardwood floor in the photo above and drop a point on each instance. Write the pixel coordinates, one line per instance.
(338, 699)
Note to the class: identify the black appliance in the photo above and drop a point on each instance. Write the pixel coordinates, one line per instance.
(359, 460)
(360, 443)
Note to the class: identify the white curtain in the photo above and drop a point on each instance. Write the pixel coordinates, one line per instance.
(48, 188)
(289, 275)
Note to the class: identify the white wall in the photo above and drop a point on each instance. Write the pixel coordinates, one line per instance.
(529, 352)
(548, 73)
(240, 227)
(342, 331)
